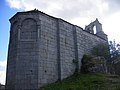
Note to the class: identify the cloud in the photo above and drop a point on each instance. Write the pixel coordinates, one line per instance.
(68, 9)
(111, 27)
(113, 6)
(3, 71)
(14, 4)
(75, 11)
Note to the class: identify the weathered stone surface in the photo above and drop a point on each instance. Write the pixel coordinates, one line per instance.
(44, 49)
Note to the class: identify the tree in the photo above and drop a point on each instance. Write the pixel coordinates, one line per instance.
(110, 52)
(114, 57)
(114, 52)
(101, 50)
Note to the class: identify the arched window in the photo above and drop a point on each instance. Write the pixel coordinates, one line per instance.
(28, 29)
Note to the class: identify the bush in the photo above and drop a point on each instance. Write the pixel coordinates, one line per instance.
(87, 63)
(101, 50)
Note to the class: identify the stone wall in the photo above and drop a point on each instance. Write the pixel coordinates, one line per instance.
(85, 42)
(44, 49)
(48, 65)
(12, 56)
(67, 51)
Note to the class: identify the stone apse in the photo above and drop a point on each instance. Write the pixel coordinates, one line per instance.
(44, 49)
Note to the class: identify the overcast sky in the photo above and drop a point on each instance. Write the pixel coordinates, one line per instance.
(78, 12)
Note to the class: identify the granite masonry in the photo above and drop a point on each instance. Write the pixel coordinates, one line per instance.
(44, 49)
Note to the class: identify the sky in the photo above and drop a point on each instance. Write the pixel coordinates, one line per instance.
(78, 12)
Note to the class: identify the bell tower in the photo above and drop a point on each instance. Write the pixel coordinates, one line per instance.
(98, 27)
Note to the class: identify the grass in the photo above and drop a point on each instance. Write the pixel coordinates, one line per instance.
(84, 82)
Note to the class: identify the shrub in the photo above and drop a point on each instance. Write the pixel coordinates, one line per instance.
(101, 50)
(87, 63)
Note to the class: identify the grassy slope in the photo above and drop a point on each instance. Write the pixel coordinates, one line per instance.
(85, 82)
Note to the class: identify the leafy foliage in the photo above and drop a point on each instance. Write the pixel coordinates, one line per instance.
(101, 50)
(114, 52)
(87, 63)
(114, 63)
(97, 60)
